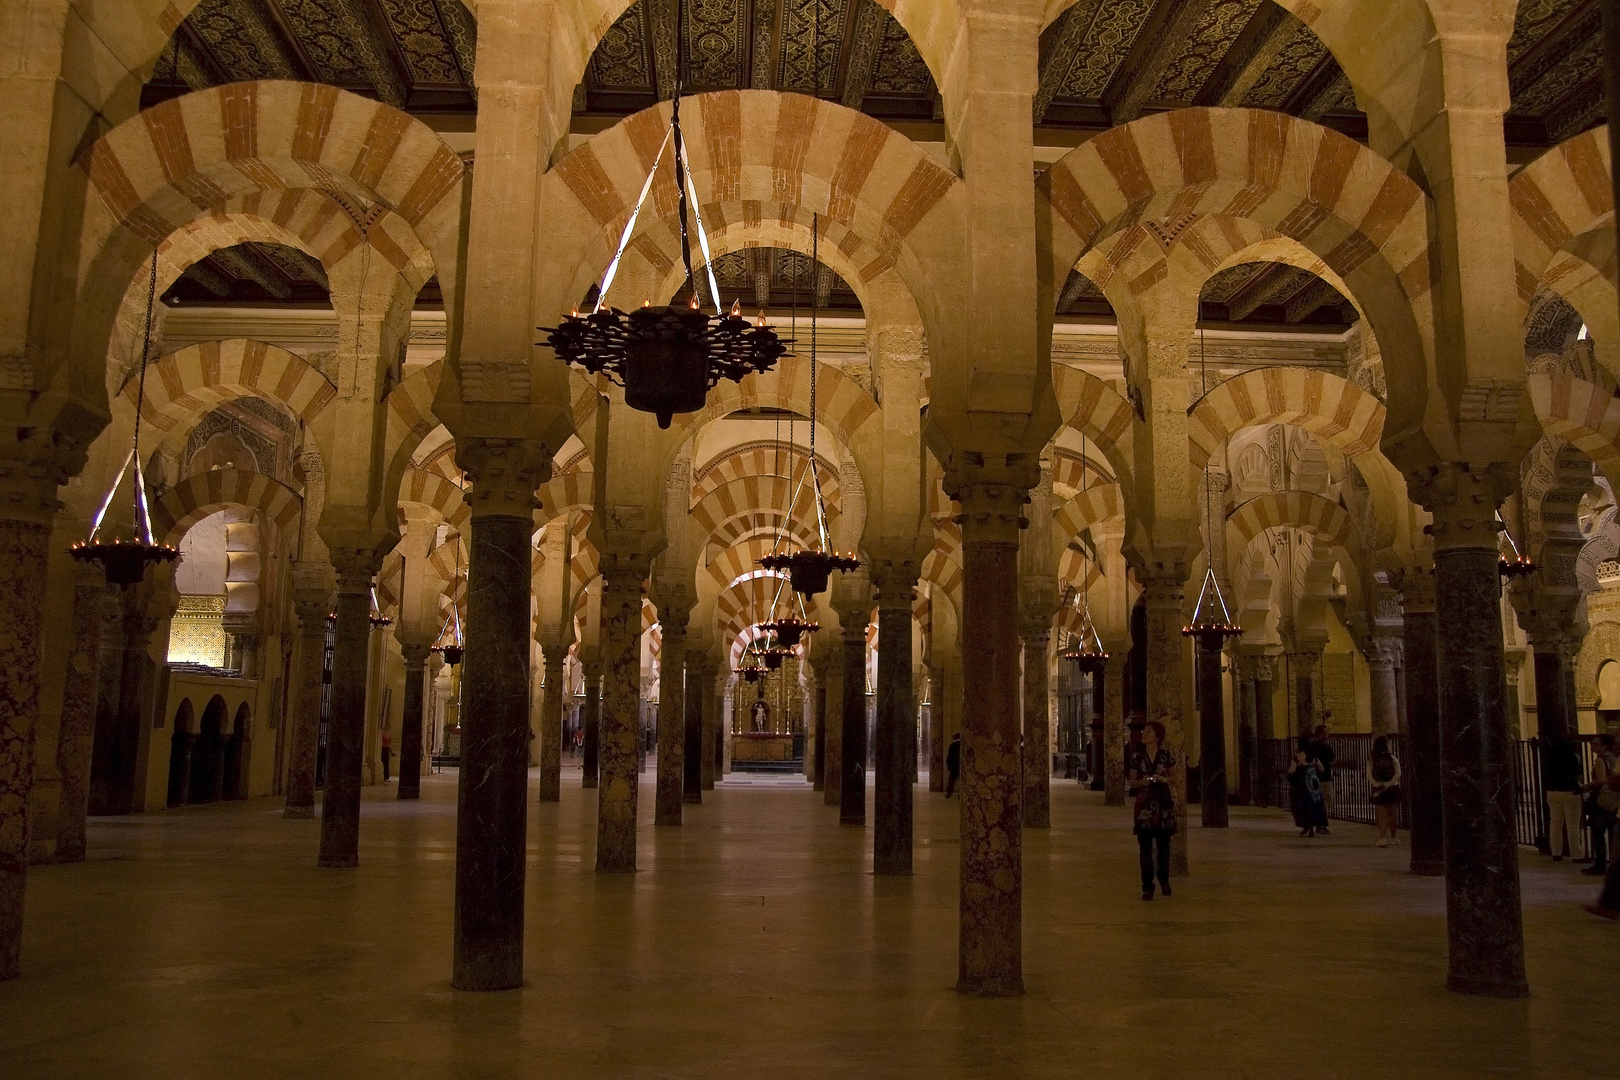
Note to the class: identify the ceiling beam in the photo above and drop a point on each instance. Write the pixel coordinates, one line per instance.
(1318, 93)
(763, 53)
(1281, 282)
(1071, 290)
(1161, 41)
(1316, 295)
(243, 264)
(295, 52)
(379, 54)
(204, 275)
(660, 29)
(1546, 56)
(863, 52)
(1067, 38)
(1255, 50)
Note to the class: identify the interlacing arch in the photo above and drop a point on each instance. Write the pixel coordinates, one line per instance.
(764, 459)
(762, 523)
(203, 494)
(1366, 220)
(1327, 521)
(1093, 505)
(185, 385)
(1580, 413)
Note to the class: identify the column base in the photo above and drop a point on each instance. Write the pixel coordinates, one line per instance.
(298, 812)
(991, 987)
(859, 823)
(1485, 987)
(338, 862)
(1436, 868)
(407, 793)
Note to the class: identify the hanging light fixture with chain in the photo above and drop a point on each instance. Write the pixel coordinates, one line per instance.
(1085, 649)
(124, 561)
(449, 643)
(1212, 621)
(667, 358)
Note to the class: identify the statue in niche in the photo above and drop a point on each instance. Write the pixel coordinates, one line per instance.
(759, 716)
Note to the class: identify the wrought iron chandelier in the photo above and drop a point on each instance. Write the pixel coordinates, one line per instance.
(449, 643)
(124, 561)
(809, 568)
(1212, 621)
(667, 358)
(1513, 562)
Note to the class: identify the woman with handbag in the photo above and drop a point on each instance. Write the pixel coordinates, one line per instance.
(1384, 776)
(1147, 771)
(1305, 782)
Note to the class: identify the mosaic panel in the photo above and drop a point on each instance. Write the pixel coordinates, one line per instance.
(197, 631)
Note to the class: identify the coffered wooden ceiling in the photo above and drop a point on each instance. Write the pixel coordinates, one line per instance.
(1102, 62)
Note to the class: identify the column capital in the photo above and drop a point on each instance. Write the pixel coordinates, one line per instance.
(992, 496)
(355, 567)
(1463, 501)
(416, 655)
(503, 474)
(1164, 582)
(1384, 651)
(619, 567)
(895, 581)
(1416, 586)
(32, 470)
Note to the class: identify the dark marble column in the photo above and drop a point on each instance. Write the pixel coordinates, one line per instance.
(714, 715)
(1484, 922)
(113, 760)
(832, 783)
(1211, 735)
(552, 712)
(936, 727)
(1265, 726)
(1420, 772)
(895, 731)
(818, 775)
(692, 742)
(492, 794)
(346, 724)
(852, 743)
(410, 728)
(1114, 728)
(1162, 590)
(990, 956)
(306, 707)
(1248, 749)
(1096, 724)
(1036, 632)
(671, 718)
(1555, 709)
(75, 738)
(622, 577)
(591, 745)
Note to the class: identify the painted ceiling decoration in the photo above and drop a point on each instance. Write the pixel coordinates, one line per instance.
(1102, 63)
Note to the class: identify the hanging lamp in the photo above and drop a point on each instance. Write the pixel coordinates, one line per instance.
(1212, 621)
(667, 358)
(1512, 563)
(124, 562)
(809, 568)
(451, 649)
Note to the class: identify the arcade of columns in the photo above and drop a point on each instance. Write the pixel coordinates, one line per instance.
(579, 523)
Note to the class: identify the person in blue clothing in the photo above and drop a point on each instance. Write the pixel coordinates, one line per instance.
(1305, 785)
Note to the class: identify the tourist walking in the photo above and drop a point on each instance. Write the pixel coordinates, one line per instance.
(1384, 778)
(1321, 752)
(387, 752)
(1561, 777)
(1147, 772)
(1305, 789)
(953, 764)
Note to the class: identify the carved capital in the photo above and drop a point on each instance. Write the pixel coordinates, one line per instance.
(502, 475)
(1384, 652)
(31, 471)
(416, 656)
(355, 568)
(1416, 586)
(1464, 502)
(992, 496)
(895, 581)
(1164, 584)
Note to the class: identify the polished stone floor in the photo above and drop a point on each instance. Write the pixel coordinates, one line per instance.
(755, 942)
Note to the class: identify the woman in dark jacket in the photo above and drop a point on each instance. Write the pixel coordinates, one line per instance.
(1147, 772)
(1305, 782)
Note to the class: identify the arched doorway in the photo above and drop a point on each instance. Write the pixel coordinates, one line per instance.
(1608, 703)
(237, 747)
(208, 753)
(180, 746)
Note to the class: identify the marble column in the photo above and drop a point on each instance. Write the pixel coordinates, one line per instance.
(113, 782)
(1303, 664)
(552, 711)
(591, 745)
(1248, 747)
(1114, 727)
(991, 887)
(671, 719)
(410, 727)
(818, 774)
(1036, 632)
(936, 728)
(492, 794)
(1383, 661)
(1163, 584)
(692, 733)
(832, 785)
(1096, 725)
(346, 724)
(852, 744)
(25, 533)
(1420, 771)
(713, 714)
(1555, 709)
(1484, 921)
(895, 730)
(306, 705)
(1265, 724)
(620, 734)
(1211, 735)
(76, 736)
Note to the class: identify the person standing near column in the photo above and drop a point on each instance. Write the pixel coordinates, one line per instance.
(387, 753)
(1384, 780)
(1148, 771)
(1321, 752)
(1561, 777)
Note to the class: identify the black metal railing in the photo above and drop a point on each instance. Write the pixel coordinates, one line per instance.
(1352, 790)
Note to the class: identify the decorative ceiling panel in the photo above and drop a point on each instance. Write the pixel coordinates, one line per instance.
(623, 60)
(427, 41)
(716, 44)
(812, 35)
(900, 68)
(1297, 60)
(1574, 68)
(1208, 43)
(1224, 285)
(332, 35)
(242, 39)
(1108, 39)
(1536, 18)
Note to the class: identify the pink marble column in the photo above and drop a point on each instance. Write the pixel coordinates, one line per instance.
(620, 729)
(990, 956)
(1037, 634)
(306, 711)
(1162, 585)
(77, 734)
(1114, 728)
